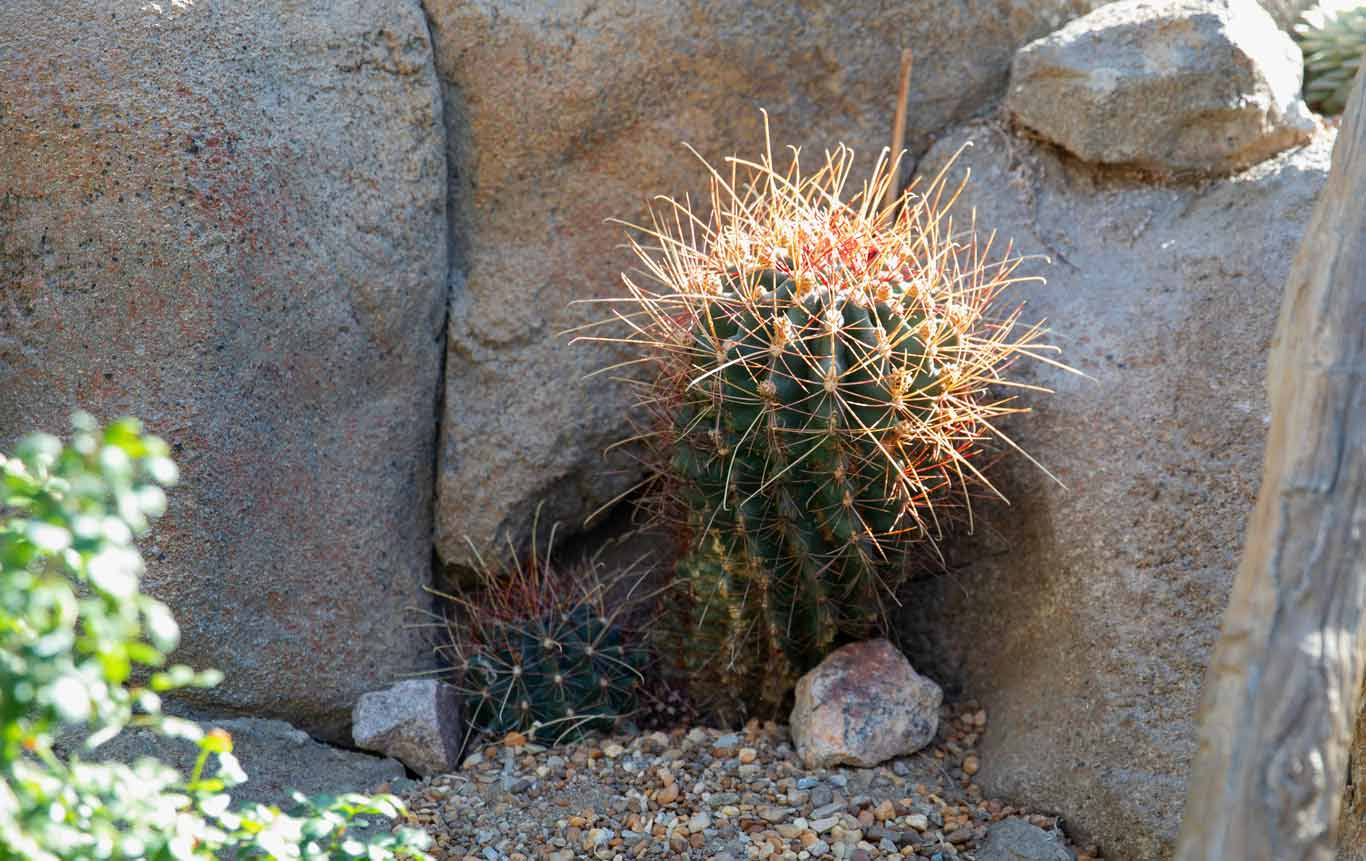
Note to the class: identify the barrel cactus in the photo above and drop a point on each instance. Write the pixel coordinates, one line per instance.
(825, 379)
(539, 651)
(1332, 36)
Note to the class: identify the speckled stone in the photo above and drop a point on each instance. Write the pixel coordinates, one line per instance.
(229, 220)
(863, 705)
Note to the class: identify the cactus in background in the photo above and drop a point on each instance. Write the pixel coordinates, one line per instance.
(821, 397)
(537, 650)
(1333, 37)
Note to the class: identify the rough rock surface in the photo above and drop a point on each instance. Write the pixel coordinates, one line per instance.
(1352, 830)
(863, 705)
(277, 757)
(416, 721)
(1017, 840)
(1083, 617)
(1172, 86)
(229, 220)
(562, 115)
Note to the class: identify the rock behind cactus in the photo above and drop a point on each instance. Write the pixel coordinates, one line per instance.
(1333, 38)
(822, 397)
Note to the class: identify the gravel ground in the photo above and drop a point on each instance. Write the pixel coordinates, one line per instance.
(709, 794)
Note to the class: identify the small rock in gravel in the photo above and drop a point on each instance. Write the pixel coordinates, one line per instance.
(821, 795)
(416, 721)
(826, 809)
(862, 705)
(1017, 840)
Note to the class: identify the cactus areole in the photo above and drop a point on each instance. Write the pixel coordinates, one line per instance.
(826, 375)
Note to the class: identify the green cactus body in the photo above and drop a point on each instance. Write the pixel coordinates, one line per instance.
(826, 371)
(1332, 37)
(554, 678)
(788, 447)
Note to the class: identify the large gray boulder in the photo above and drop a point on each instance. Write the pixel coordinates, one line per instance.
(229, 220)
(279, 759)
(1171, 86)
(1083, 616)
(563, 115)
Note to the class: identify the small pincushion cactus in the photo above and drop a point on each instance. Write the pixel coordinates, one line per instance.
(537, 650)
(1333, 38)
(823, 386)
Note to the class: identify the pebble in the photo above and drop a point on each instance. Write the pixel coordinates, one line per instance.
(821, 795)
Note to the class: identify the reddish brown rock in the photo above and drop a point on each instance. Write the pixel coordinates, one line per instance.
(863, 705)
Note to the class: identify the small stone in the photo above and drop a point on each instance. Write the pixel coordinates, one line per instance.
(820, 826)
(747, 755)
(668, 794)
(827, 809)
(416, 722)
(1017, 840)
(612, 750)
(514, 739)
(970, 765)
(862, 705)
(699, 822)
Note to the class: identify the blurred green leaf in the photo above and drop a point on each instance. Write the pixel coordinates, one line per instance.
(67, 661)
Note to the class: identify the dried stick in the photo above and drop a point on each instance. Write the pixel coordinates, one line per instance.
(899, 129)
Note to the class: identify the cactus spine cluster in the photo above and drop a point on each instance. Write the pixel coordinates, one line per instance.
(1332, 36)
(824, 369)
(538, 650)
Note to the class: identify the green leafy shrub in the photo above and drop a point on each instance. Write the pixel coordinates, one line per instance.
(82, 649)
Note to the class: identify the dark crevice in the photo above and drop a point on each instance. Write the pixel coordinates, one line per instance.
(448, 280)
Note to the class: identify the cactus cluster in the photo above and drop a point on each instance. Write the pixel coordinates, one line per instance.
(537, 650)
(826, 378)
(1332, 36)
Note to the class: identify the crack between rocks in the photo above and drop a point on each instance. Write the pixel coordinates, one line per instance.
(448, 281)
